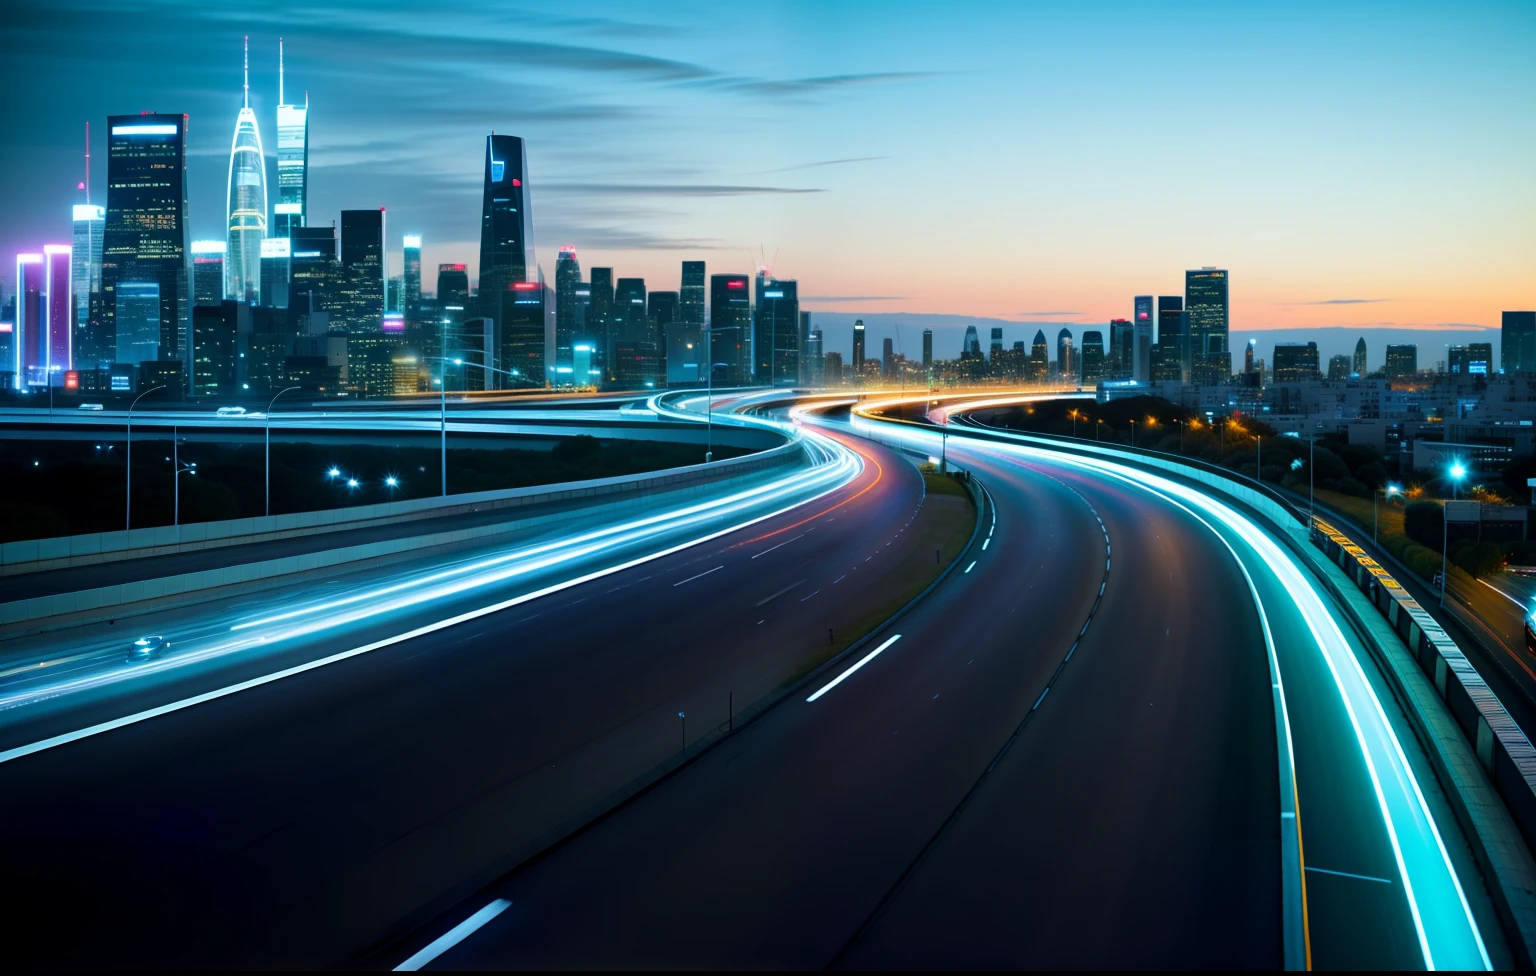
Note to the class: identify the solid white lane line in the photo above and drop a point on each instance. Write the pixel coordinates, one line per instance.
(971, 566)
(779, 546)
(453, 936)
(862, 661)
(692, 578)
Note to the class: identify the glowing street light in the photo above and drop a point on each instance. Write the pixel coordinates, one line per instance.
(392, 482)
(1389, 491)
(333, 473)
(351, 482)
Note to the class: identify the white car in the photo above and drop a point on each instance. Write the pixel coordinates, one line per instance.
(231, 411)
(148, 648)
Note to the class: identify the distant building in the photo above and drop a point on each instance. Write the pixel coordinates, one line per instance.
(521, 322)
(600, 314)
(1066, 366)
(144, 241)
(1122, 349)
(776, 342)
(314, 275)
(1141, 367)
(276, 270)
(730, 323)
(928, 350)
(832, 368)
(995, 351)
(1094, 364)
(85, 284)
(1205, 303)
(1039, 359)
(970, 348)
(1173, 337)
(410, 300)
(815, 359)
(858, 347)
(1295, 362)
(570, 313)
(208, 272)
(691, 295)
(1473, 360)
(360, 297)
(1358, 366)
(1517, 342)
(292, 207)
(887, 359)
(1402, 361)
(1339, 367)
(506, 221)
(246, 207)
(216, 331)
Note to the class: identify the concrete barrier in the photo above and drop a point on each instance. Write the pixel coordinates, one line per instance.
(38, 555)
(55, 611)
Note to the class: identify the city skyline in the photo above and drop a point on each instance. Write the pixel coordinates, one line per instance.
(813, 208)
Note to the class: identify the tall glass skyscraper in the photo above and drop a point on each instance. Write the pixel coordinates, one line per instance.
(145, 237)
(85, 281)
(570, 315)
(730, 320)
(292, 160)
(1517, 342)
(208, 272)
(246, 204)
(691, 297)
(411, 301)
(776, 345)
(29, 335)
(360, 300)
(1205, 301)
(1141, 365)
(506, 221)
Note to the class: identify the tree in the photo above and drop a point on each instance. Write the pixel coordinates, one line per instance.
(1425, 523)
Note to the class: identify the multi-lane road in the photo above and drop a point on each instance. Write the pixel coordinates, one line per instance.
(1123, 731)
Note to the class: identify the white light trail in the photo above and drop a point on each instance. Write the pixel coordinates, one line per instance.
(862, 661)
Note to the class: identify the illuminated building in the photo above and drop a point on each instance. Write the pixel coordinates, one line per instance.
(138, 308)
(1141, 366)
(410, 301)
(815, 361)
(928, 350)
(208, 272)
(360, 297)
(776, 345)
(1338, 367)
(215, 346)
(970, 347)
(144, 241)
(313, 275)
(570, 314)
(691, 297)
(995, 350)
(600, 314)
(1205, 303)
(85, 282)
(292, 204)
(276, 268)
(1172, 340)
(1402, 361)
(453, 285)
(1472, 360)
(1094, 365)
(522, 335)
(730, 321)
(858, 348)
(1066, 364)
(28, 332)
(661, 311)
(246, 204)
(506, 224)
(1295, 362)
(1122, 349)
(1517, 342)
(1039, 359)
(1358, 366)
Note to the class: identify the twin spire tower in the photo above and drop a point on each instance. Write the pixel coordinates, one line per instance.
(250, 235)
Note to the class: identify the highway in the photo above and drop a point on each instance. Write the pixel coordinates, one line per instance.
(289, 810)
(1035, 772)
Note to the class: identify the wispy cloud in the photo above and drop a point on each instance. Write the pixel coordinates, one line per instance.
(824, 162)
(673, 189)
(1035, 315)
(770, 87)
(854, 298)
(1343, 301)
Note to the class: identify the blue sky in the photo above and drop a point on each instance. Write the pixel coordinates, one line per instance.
(1366, 166)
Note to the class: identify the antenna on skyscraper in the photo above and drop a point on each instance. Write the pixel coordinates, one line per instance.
(87, 183)
(247, 71)
(280, 72)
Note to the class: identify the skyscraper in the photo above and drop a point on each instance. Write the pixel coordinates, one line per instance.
(634, 357)
(1517, 342)
(970, 345)
(887, 359)
(570, 316)
(995, 351)
(1205, 302)
(1295, 362)
(85, 273)
(313, 275)
(730, 322)
(29, 337)
(276, 271)
(1039, 359)
(858, 349)
(1066, 361)
(292, 207)
(1122, 349)
(360, 299)
(1358, 366)
(1402, 361)
(1092, 357)
(506, 220)
(1173, 338)
(410, 301)
(928, 350)
(1338, 367)
(776, 345)
(453, 286)
(815, 359)
(145, 237)
(246, 203)
(599, 312)
(1141, 367)
(691, 297)
(208, 272)
(522, 336)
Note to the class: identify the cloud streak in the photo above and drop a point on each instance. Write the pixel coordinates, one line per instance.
(1343, 301)
(674, 189)
(824, 162)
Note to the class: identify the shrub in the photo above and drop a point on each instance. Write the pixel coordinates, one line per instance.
(1480, 559)
(1425, 523)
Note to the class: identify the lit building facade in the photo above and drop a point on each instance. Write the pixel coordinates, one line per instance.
(246, 207)
(276, 270)
(208, 272)
(730, 321)
(360, 299)
(1517, 342)
(85, 282)
(292, 205)
(1141, 317)
(691, 296)
(1206, 306)
(777, 342)
(410, 300)
(506, 221)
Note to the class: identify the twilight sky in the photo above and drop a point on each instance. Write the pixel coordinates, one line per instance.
(1367, 166)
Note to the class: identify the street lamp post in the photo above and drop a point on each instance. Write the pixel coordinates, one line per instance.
(179, 469)
(1133, 434)
(1098, 427)
(1458, 471)
(1388, 492)
(268, 458)
(128, 474)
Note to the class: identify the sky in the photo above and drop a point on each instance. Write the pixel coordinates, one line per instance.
(1358, 168)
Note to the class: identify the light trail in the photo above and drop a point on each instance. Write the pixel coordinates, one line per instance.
(453, 936)
(862, 661)
(1448, 933)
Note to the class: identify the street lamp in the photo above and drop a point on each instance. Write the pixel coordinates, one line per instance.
(1458, 472)
(128, 474)
(268, 456)
(1074, 415)
(1133, 434)
(1388, 491)
(179, 469)
(1098, 427)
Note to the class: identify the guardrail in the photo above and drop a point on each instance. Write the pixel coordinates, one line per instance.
(38, 555)
(1503, 833)
(44, 613)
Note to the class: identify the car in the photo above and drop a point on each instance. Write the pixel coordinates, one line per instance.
(91, 406)
(148, 647)
(231, 411)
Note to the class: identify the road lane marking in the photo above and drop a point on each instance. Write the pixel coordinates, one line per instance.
(971, 566)
(1506, 596)
(692, 578)
(812, 593)
(1346, 874)
(453, 936)
(768, 599)
(862, 661)
(779, 546)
